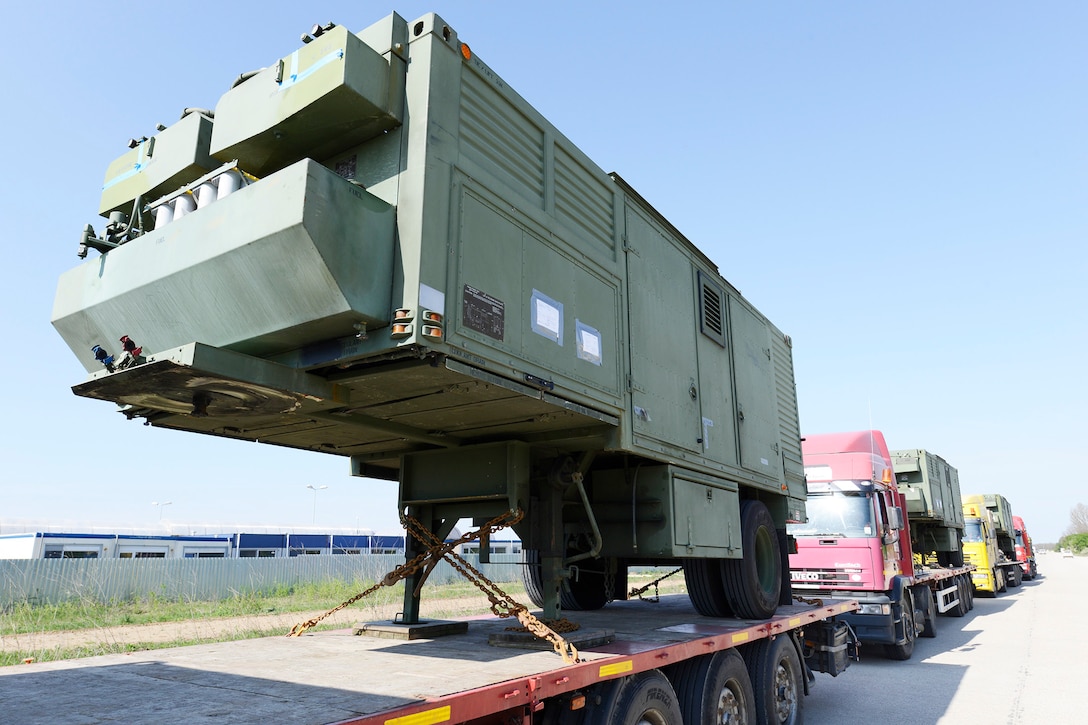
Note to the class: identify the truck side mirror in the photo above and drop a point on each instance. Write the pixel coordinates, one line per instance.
(895, 518)
(895, 525)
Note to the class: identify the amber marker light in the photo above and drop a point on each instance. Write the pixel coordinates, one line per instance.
(466, 52)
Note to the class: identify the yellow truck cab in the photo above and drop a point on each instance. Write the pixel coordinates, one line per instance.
(992, 572)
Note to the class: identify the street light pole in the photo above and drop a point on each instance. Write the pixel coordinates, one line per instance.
(315, 489)
(160, 504)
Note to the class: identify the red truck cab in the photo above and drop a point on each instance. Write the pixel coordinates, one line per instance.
(856, 544)
(1025, 549)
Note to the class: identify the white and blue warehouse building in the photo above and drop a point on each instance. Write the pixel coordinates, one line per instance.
(240, 545)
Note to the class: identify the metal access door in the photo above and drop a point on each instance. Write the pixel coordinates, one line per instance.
(753, 373)
(664, 368)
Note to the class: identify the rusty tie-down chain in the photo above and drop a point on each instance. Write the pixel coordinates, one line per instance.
(401, 572)
(561, 625)
(502, 604)
(657, 594)
(813, 602)
(406, 569)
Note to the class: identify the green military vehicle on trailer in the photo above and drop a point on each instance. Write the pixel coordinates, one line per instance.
(375, 248)
(931, 489)
(1005, 529)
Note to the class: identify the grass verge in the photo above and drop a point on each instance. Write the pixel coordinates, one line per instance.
(55, 654)
(446, 601)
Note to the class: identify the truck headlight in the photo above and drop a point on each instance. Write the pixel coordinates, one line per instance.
(884, 609)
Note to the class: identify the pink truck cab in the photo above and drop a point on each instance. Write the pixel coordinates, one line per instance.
(856, 545)
(855, 520)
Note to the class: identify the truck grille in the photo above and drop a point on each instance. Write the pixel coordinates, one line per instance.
(818, 577)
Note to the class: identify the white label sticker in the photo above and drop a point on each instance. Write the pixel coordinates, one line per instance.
(589, 342)
(431, 299)
(547, 316)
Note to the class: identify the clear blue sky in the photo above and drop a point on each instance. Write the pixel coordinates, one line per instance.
(901, 187)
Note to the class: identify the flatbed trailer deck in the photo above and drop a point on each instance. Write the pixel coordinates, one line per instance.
(338, 677)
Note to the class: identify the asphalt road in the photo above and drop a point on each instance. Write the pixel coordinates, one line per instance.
(1019, 658)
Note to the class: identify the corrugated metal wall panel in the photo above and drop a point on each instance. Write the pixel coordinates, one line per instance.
(495, 134)
(582, 201)
(789, 425)
(51, 581)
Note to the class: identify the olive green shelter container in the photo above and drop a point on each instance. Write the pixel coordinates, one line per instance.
(931, 488)
(375, 248)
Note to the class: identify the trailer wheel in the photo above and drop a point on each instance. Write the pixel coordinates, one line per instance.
(643, 699)
(714, 689)
(929, 615)
(777, 681)
(964, 598)
(961, 599)
(753, 584)
(586, 593)
(906, 649)
(532, 577)
(1015, 579)
(969, 587)
(706, 589)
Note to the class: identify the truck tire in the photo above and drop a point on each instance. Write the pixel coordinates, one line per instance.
(969, 587)
(532, 577)
(961, 599)
(928, 607)
(587, 592)
(714, 689)
(777, 680)
(1015, 575)
(904, 650)
(643, 699)
(706, 590)
(1000, 583)
(753, 584)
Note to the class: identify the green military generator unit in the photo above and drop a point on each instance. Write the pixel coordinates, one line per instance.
(375, 248)
(931, 488)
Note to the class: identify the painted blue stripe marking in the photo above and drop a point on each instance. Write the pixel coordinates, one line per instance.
(296, 77)
(136, 168)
